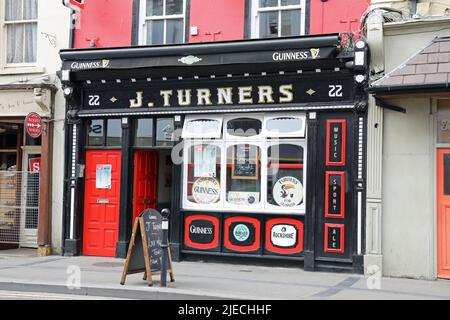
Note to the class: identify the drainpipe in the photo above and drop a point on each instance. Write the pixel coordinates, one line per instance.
(413, 9)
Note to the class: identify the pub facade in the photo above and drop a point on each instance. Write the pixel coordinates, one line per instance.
(257, 147)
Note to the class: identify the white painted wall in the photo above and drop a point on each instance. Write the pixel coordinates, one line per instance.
(54, 20)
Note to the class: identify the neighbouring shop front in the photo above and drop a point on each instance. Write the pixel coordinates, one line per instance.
(257, 147)
(24, 165)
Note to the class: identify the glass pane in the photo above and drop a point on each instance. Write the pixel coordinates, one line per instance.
(447, 174)
(8, 161)
(29, 141)
(114, 133)
(30, 9)
(154, 8)
(202, 128)
(174, 7)
(8, 136)
(32, 197)
(144, 133)
(268, 24)
(268, 3)
(30, 42)
(290, 23)
(164, 132)
(285, 175)
(95, 132)
(203, 174)
(174, 31)
(244, 127)
(13, 10)
(289, 2)
(243, 174)
(15, 34)
(155, 32)
(284, 124)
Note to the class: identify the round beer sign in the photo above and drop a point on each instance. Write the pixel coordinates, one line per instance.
(288, 192)
(206, 190)
(241, 232)
(34, 125)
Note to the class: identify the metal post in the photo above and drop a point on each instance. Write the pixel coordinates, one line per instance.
(165, 245)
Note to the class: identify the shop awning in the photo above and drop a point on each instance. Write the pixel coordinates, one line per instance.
(425, 72)
(257, 51)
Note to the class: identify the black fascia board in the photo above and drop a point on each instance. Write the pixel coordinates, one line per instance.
(407, 89)
(303, 42)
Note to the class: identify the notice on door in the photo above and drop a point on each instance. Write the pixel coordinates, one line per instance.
(103, 176)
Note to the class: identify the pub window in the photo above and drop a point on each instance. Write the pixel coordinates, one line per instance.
(203, 174)
(243, 127)
(144, 133)
(165, 132)
(285, 175)
(243, 175)
(162, 21)
(114, 133)
(9, 146)
(254, 171)
(96, 136)
(285, 126)
(101, 133)
(205, 127)
(278, 18)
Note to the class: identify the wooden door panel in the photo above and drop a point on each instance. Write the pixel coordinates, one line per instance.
(145, 181)
(101, 206)
(443, 214)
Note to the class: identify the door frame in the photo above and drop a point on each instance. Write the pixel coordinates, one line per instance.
(27, 238)
(436, 220)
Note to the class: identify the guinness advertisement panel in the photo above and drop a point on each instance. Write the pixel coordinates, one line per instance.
(202, 232)
(242, 234)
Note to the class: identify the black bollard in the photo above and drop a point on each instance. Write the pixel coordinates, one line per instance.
(165, 245)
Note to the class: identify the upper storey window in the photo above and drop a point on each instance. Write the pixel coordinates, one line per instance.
(163, 21)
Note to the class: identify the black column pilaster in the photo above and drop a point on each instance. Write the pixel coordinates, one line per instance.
(311, 192)
(126, 191)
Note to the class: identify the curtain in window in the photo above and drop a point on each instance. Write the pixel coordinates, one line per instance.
(21, 37)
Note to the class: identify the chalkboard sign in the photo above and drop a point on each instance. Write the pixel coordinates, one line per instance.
(145, 252)
(245, 162)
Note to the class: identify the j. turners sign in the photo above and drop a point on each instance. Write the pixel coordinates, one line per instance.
(201, 94)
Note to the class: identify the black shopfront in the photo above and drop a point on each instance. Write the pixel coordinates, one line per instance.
(257, 147)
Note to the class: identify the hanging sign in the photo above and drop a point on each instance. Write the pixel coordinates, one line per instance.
(288, 192)
(76, 5)
(206, 190)
(145, 252)
(34, 125)
(103, 176)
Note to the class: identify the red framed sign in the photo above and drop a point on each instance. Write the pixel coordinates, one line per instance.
(334, 194)
(242, 234)
(334, 238)
(76, 5)
(34, 125)
(284, 236)
(336, 141)
(202, 232)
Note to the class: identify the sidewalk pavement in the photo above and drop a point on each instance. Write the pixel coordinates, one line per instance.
(22, 271)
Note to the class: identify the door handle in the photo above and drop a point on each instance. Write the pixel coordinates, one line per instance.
(101, 201)
(147, 201)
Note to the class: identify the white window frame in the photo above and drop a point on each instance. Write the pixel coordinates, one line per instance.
(256, 10)
(188, 143)
(230, 137)
(143, 18)
(4, 38)
(263, 142)
(192, 135)
(274, 134)
(297, 142)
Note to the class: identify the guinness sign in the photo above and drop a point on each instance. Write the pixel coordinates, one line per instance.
(202, 232)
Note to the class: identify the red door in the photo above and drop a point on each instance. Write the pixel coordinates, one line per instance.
(330, 16)
(145, 181)
(443, 212)
(101, 202)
